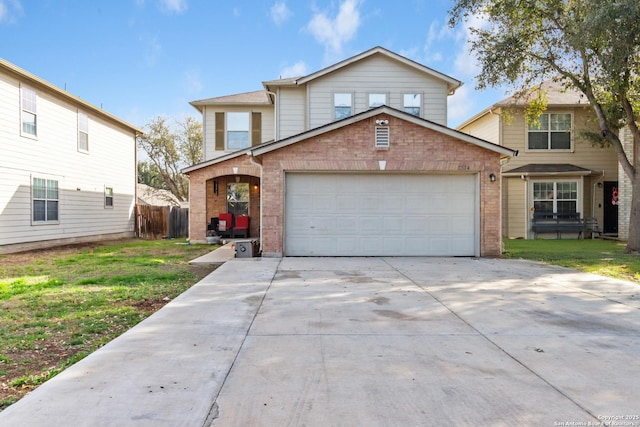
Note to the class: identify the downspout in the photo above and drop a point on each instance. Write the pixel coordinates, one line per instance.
(253, 160)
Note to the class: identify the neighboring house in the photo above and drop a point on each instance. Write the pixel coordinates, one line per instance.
(67, 168)
(353, 160)
(557, 169)
(157, 197)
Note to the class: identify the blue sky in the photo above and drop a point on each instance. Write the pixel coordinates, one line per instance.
(139, 59)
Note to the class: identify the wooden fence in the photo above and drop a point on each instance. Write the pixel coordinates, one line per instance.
(153, 222)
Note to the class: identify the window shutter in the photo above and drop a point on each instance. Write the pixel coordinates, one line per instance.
(219, 131)
(256, 128)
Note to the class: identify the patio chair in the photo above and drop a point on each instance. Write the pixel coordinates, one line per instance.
(241, 226)
(225, 225)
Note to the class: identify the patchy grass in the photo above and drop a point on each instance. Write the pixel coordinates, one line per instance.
(604, 257)
(58, 305)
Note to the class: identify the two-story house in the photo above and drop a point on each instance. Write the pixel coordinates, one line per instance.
(558, 169)
(354, 159)
(67, 168)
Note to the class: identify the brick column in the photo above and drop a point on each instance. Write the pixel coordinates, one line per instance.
(624, 187)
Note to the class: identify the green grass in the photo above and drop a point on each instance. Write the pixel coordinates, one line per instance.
(604, 257)
(56, 306)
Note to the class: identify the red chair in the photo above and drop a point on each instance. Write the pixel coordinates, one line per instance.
(241, 227)
(225, 225)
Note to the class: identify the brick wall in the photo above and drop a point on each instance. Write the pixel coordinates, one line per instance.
(412, 149)
(204, 204)
(624, 187)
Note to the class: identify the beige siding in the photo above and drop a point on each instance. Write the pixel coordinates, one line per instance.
(376, 74)
(209, 123)
(514, 208)
(583, 154)
(82, 177)
(486, 127)
(291, 111)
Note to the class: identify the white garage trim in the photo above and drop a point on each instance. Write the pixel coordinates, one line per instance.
(381, 214)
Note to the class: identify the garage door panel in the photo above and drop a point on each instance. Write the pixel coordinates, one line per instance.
(377, 214)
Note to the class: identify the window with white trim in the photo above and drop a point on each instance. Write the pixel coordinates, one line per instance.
(83, 132)
(44, 196)
(108, 197)
(412, 103)
(28, 112)
(342, 105)
(552, 132)
(237, 130)
(555, 196)
(377, 99)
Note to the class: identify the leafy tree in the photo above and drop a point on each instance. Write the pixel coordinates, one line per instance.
(589, 45)
(169, 151)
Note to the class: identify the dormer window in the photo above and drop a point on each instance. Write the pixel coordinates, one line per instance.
(342, 105)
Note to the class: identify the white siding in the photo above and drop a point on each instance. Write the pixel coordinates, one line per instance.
(377, 74)
(291, 111)
(82, 177)
(209, 125)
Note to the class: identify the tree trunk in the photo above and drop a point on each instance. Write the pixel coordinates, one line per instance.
(633, 242)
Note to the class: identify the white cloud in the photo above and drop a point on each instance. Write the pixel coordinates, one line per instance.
(10, 10)
(334, 32)
(465, 63)
(460, 105)
(280, 13)
(296, 70)
(174, 6)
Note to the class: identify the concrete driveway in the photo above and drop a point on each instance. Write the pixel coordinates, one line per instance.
(365, 342)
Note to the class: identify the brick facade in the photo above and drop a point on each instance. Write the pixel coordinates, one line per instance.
(413, 149)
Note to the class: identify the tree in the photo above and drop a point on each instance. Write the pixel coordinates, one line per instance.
(168, 153)
(589, 45)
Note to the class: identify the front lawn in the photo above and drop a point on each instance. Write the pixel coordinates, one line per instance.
(58, 305)
(604, 257)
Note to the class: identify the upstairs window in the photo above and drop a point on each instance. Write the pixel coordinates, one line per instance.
(44, 196)
(553, 132)
(83, 132)
(555, 196)
(342, 105)
(28, 112)
(237, 131)
(377, 99)
(412, 103)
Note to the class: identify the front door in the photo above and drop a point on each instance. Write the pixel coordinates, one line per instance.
(610, 204)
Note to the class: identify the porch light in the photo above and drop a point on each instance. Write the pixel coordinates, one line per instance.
(492, 177)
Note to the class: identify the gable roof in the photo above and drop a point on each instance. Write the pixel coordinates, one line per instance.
(557, 96)
(41, 84)
(258, 97)
(275, 145)
(452, 84)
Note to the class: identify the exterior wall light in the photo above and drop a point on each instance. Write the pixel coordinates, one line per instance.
(492, 177)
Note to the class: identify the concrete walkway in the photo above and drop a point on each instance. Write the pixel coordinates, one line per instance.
(364, 341)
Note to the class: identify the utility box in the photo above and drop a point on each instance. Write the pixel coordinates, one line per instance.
(246, 248)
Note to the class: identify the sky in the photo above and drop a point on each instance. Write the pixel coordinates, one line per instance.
(140, 59)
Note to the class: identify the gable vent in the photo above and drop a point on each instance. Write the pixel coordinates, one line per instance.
(382, 136)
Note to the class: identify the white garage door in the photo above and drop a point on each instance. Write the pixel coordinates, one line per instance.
(381, 214)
